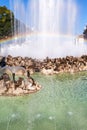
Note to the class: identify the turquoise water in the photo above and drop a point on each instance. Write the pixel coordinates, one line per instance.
(61, 104)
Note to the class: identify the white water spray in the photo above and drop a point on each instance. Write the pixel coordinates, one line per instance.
(53, 24)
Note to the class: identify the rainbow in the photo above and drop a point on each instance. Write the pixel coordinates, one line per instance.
(6, 40)
(32, 34)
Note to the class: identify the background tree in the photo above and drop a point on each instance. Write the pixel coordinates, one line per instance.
(9, 25)
(6, 22)
(85, 32)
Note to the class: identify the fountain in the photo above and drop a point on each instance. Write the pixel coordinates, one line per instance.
(52, 25)
(62, 102)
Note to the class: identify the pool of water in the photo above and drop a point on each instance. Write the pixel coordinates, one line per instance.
(61, 104)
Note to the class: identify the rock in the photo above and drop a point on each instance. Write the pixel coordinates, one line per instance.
(9, 92)
(18, 91)
(47, 71)
(30, 87)
(51, 66)
(2, 90)
(5, 77)
(2, 62)
(2, 84)
(18, 87)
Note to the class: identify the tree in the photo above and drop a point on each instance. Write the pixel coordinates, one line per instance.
(6, 22)
(85, 32)
(9, 25)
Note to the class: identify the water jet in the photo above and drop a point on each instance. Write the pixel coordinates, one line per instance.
(53, 30)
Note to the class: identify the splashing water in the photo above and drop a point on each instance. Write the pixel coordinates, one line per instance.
(53, 29)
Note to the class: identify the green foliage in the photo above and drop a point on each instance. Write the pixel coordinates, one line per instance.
(85, 33)
(6, 22)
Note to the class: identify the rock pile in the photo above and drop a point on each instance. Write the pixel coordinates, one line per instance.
(49, 66)
(20, 86)
(68, 64)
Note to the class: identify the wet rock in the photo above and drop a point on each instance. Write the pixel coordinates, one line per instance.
(5, 77)
(57, 65)
(47, 71)
(20, 86)
(2, 62)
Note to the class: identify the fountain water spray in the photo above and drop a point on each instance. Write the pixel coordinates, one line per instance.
(53, 29)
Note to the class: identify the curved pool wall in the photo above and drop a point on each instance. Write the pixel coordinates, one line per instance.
(60, 105)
